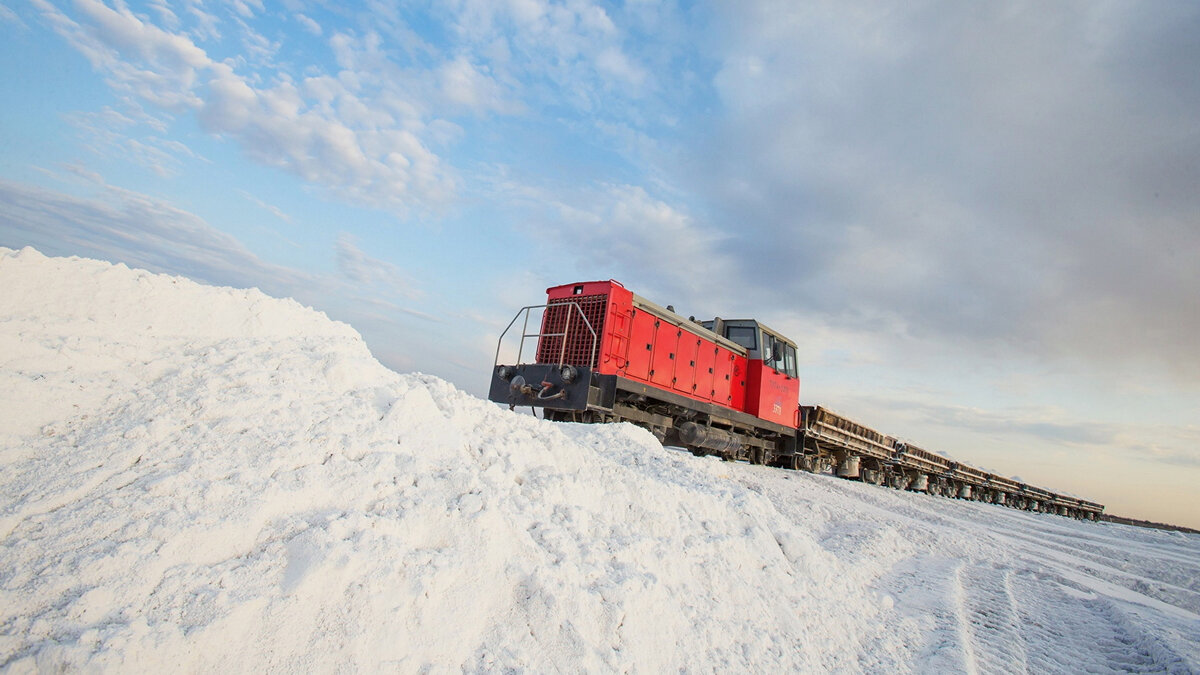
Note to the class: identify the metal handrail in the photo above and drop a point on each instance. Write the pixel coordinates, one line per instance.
(566, 331)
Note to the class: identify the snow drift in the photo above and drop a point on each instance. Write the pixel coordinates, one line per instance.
(206, 479)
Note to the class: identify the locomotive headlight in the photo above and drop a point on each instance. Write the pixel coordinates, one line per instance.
(568, 374)
(504, 373)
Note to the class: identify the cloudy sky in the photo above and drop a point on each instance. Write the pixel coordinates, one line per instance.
(980, 221)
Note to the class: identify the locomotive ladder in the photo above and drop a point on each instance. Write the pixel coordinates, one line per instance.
(525, 334)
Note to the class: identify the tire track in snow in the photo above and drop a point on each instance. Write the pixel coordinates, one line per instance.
(961, 614)
(1010, 592)
(1143, 581)
(1092, 635)
(989, 622)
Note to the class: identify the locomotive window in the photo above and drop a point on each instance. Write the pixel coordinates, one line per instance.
(768, 351)
(743, 335)
(789, 360)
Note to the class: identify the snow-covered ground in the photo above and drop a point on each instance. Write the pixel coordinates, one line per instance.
(208, 479)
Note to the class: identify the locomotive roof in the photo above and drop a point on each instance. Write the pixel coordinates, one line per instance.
(780, 336)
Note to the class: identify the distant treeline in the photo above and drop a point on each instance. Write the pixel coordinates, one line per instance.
(1146, 523)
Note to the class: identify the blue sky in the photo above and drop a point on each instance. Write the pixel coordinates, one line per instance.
(980, 222)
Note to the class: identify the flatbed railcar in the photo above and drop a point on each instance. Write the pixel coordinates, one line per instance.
(726, 387)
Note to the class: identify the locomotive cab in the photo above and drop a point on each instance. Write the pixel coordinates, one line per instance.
(772, 380)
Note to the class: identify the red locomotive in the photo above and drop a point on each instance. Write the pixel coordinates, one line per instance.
(605, 354)
(725, 387)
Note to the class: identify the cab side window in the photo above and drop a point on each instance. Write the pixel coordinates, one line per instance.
(768, 351)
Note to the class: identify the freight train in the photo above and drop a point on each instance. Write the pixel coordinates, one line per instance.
(722, 387)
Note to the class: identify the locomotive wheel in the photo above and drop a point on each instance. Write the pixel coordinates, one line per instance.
(758, 456)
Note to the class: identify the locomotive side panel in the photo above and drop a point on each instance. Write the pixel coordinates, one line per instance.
(641, 346)
(771, 395)
(723, 378)
(662, 354)
(706, 361)
(617, 332)
(737, 382)
(685, 366)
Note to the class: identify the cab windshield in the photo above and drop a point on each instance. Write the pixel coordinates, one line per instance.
(743, 335)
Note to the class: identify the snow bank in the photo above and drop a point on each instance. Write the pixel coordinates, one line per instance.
(207, 479)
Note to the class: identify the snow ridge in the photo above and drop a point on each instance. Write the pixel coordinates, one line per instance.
(207, 479)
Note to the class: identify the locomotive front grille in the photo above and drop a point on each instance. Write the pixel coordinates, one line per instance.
(560, 317)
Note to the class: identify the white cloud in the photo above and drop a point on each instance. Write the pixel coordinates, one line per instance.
(230, 104)
(256, 47)
(111, 133)
(122, 34)
(124, 226)
(138, 58)
(1012, 177)
(569, 52)
(528, 12)
(362, 129)
(270, 208)
(616, 64)
(207, 25)
(355, 149)
(309, 24)
(380, 276)
(246, 8)
(624, 231)
(167, 16)
(465, 85)
(593, 18)
(9, 16)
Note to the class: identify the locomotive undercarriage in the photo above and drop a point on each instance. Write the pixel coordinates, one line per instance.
(701, 428)
(759, 446)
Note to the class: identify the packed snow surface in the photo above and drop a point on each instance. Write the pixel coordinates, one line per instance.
(208, 479)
